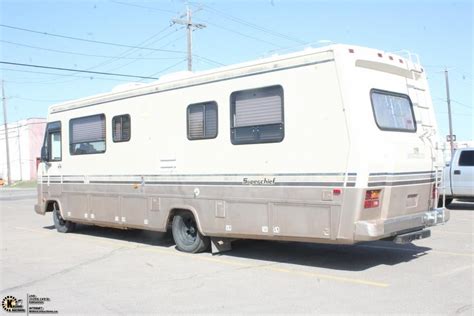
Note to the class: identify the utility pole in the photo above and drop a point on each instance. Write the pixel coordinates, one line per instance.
(4, 99)
(190, 26)
(19, 152)
(451, 141)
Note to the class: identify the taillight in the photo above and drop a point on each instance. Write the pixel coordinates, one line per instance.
(372, 198)
(434, 192)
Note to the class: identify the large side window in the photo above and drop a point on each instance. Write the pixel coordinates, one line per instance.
(257, 116)
(202, 120)
(121, 128)
(466, 158)
(87, 135)
(393, 111)
(52, 150)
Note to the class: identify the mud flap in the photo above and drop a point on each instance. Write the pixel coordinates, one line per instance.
(219, 245)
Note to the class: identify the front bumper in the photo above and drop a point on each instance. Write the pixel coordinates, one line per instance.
(382, 228)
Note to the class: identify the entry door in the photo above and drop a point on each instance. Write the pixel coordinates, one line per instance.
(463, 174)
(53, 158)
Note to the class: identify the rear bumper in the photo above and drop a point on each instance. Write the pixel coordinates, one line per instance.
(382, 228)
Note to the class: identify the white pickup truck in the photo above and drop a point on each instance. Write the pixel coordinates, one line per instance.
(458, 176)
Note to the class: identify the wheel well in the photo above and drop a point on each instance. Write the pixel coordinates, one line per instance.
(51, 205)
(172, 214)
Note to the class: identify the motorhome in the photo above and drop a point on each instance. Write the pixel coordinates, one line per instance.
(328, 145)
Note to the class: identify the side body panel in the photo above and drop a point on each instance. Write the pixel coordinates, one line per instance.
(139, 183)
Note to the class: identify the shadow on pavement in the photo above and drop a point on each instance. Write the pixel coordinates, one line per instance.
(337, 257)
(150, 238)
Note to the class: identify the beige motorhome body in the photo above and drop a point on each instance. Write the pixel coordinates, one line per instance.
(329, 145)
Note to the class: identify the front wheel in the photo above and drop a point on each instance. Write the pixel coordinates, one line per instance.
(186, 234)
(62, 225)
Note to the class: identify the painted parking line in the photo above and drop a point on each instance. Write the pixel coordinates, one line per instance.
(452, 233)
(272, 268)
(454, 271)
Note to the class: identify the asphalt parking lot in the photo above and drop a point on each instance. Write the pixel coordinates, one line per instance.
(105, 271)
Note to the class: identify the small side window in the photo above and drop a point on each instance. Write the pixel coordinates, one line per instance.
(257, 116)
(121, 128)
(393, 111)
(202, 120)
(466, 159)
(87, 135)
(52, 147)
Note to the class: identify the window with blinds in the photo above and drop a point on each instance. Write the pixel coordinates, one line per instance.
(121, 128)
(202, 120)
(87, 135)
(257, 116)
(393, 111)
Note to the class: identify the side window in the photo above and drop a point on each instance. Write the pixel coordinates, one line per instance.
(55, 141)
(52, 149)
(202, 120)
(466, 158)
(257, 116)
(121, 128)
(393, 111)
(87, 135)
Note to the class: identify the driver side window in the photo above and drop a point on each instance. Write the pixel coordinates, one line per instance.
(52, 148)
(55, 141)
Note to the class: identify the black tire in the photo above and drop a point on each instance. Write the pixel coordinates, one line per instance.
(61, 224)
(446, 202)
(186, 234)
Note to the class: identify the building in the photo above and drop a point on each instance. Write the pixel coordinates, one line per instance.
(25, 139)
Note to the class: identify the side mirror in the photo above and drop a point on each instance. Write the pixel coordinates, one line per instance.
(44, 154)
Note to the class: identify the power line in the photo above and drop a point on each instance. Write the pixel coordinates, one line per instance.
(76, 70)
(53, 74)
(125, 53)
(249, 24)
(144, 43)
(84, 54)
(149, 53)
(141, 6)
(132, 47)
(90, 41)
(167, 68)
(240, 33)
(37, 100)
(462, 104)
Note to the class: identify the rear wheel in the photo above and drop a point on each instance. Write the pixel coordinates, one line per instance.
(62, 225)
(186, 234)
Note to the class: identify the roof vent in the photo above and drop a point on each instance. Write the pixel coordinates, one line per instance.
(176, 75)
(128, 86)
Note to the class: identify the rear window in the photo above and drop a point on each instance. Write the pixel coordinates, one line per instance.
(393, 111)
(467, 158)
